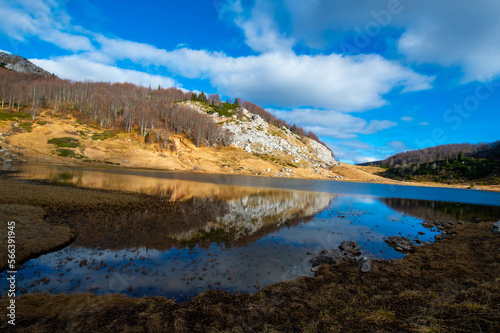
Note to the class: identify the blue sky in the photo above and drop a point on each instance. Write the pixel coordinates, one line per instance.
(371, 78)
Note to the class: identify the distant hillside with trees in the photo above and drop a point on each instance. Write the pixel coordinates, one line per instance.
(450, 151)
(453, 163)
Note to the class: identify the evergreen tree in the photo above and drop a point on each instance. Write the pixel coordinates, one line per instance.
(202, 97)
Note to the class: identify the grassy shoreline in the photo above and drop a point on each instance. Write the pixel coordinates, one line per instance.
(452, 285)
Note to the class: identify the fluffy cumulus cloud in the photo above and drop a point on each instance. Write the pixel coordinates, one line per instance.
(79, 69)
(344, 83)
(333, 124)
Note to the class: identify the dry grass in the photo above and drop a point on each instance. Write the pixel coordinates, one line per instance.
(33, 236)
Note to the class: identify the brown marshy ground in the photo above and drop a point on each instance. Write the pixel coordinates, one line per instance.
(33, 235)
(449, 286)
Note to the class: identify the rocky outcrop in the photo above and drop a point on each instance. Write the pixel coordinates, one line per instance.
(8, 153)
(496, 228)
(364, 264)
(331, 257)
(21, 65)
(348, 251)
(350, 246)
(401, 244)
(256, 136)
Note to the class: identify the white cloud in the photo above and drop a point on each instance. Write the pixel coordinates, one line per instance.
(46, 20)
(332, 123)
(363, 159)
(345, 83)
(458, 33)
(79, 69)
(424, 123)
(465, 36)
(407, 119)
(261, 33)
(353, 151)
(398, 145)
(5, 51)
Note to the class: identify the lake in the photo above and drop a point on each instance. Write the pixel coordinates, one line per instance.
(235, 233)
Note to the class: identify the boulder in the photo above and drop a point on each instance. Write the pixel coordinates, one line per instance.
(439, 237)
(401, 244)
(331, 256)
(496, 228)
(350, 246)
(427, 224)
(364, 264)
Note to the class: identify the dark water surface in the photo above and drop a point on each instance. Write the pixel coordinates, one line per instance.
(257, 231)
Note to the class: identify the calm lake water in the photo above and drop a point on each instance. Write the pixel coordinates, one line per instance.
(255, 231)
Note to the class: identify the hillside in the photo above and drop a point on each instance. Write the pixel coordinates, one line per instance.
(64, 139)
(44, 119)
(442, 152)
(451, 164)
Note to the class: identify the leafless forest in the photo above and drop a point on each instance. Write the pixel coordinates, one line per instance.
(443, 152)
(124, 106)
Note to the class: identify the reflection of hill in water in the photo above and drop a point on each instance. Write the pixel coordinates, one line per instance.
(182, 212)
(198, 221)
(442, 211)
(170, 189)
(265, 210)
(189, 213)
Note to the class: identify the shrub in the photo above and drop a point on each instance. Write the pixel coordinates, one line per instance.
(65, 142)
(27, 126)
(107, 134)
